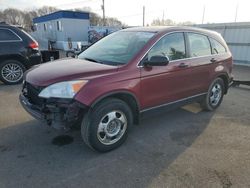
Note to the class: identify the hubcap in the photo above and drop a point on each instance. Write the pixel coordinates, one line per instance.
(112, 127)
(12, 72)
(215, 94)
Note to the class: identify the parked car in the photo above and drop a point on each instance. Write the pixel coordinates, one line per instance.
(126, 75)
(18, 52)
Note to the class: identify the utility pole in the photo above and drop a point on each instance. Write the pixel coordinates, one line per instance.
(143, 18)
(103, 13)
(163, 18)
(236, 12)
(203, 15)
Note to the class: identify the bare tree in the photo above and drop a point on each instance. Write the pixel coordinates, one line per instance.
(161, 22)
(46, 10)
(113, 22)
(2, 17)
(13, 16)
(95, 19)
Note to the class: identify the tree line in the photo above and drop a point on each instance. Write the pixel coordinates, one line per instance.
(25, 18)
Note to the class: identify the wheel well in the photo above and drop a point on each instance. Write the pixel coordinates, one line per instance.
(130, 100)
(13, 57)
(225, 80)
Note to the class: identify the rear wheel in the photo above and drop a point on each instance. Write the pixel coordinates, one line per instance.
(11, 72)
(214, 96)
(106, 126)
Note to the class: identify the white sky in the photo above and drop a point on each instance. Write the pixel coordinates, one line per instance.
(130, 11)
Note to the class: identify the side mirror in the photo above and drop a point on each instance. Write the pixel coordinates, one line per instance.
(157, 61)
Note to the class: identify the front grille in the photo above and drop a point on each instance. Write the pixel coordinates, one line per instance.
(32, 92)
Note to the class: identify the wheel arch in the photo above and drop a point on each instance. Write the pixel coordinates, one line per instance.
(126, 96)
(225, 79)
(16, 57)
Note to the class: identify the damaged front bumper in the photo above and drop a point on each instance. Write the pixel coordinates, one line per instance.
(59, 113)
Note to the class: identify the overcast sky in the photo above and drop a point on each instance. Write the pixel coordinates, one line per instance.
(130, 11)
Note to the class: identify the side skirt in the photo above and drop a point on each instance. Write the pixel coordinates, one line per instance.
(172, 105)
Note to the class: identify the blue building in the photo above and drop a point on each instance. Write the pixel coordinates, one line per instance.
(66, 29)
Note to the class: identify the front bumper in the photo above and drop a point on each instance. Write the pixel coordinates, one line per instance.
(61, 114)
(32, 109)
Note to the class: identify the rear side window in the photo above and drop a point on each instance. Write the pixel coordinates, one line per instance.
(171, 45)
(217, 48)
(199, 45)
(8, 35)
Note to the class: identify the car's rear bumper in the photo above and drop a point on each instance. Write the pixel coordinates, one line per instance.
(61, 115)
(34, 59)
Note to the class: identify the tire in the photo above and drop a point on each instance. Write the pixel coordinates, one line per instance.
(106, 126)
(70, 54)
(214, 95)
(14, 77)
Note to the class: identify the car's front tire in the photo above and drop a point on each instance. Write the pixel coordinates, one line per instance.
(105, 127)
(214, 95)
(11, 72)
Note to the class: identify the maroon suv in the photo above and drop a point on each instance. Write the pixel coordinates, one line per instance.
(128, 74)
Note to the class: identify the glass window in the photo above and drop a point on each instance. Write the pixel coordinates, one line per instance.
(59, 25)
(7, 35)
(172, 46)
(45, 27)
(117, 48)
(199, 45)
(217, 48)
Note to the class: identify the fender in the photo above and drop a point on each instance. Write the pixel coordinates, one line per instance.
(118, 92)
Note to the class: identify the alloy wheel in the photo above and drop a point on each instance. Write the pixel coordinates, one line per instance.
(12, 72)
(112, 127)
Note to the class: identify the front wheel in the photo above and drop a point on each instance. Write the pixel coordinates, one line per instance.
(214, 96)
(106, 126)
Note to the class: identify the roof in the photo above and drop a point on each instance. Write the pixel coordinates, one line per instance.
(62, 14)
(163, 29)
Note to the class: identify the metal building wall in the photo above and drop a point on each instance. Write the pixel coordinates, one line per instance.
(237, 36)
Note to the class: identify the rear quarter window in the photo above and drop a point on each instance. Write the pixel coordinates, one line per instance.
(199, 45)
(8, 35)
(217, 47)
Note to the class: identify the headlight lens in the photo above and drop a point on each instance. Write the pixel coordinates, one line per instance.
(63, 89)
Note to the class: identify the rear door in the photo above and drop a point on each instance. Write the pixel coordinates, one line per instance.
(201, 62)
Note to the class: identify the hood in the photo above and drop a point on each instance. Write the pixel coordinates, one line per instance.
(66, 69)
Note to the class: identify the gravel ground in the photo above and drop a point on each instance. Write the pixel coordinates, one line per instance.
(182, 148)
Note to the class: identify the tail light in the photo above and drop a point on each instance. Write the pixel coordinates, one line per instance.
(34, 45)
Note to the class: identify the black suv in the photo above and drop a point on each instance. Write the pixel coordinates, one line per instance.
(18, 52)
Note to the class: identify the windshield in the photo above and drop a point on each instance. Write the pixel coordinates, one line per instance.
(117, 48)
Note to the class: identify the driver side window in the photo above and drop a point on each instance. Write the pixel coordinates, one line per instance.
(172, 46)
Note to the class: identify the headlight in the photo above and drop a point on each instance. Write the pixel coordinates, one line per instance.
(63, 89)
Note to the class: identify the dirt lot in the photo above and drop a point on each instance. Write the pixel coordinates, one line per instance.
(182, 148)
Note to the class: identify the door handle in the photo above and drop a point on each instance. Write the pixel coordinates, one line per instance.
(182, 65)
(213, 60)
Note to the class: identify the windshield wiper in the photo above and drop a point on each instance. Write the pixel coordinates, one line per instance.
(93, 60)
